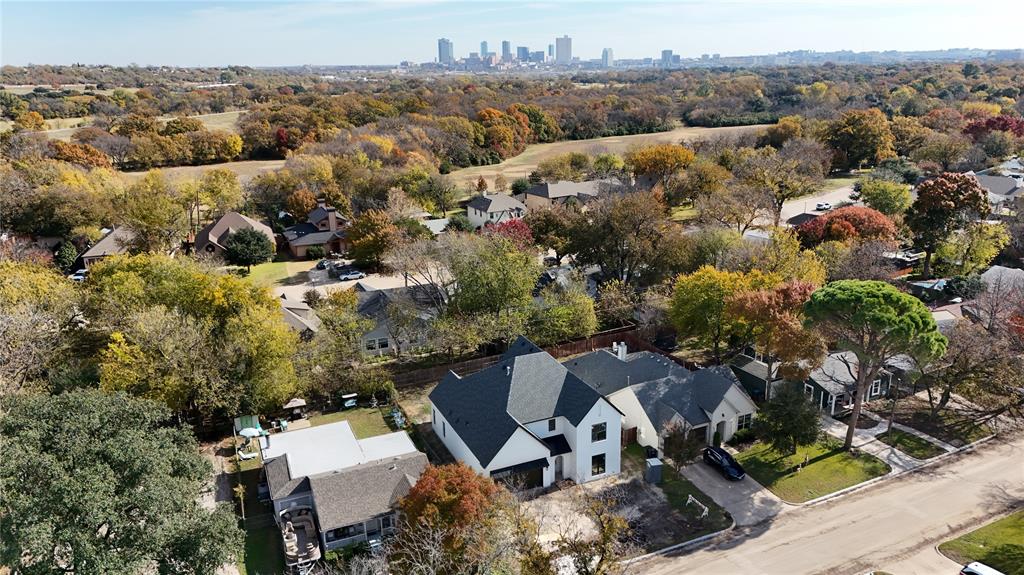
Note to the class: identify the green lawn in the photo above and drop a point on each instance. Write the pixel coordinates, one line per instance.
(999, 545)
(683, 213)
(276, 273)
(263, 554)
(910, 444)
(365, 421)
(829, 469)
(836, 183)
(948, 425)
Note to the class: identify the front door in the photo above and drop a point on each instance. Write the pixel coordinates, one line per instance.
(719, 433)
(558, 468)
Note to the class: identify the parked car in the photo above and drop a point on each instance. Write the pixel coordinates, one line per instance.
(855, 195)
(321, 265)
(978, 568)
(551, 261)
(721, 460)
(351, 275)
(79, 276)
(823, 207)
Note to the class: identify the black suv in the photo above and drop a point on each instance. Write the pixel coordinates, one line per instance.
(720, 459)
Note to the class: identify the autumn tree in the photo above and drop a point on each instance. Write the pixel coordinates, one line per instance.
(596, 551)
(371, 236)
(780, 176)
(153, 209)
(248, 247)
(846, 224)
(566, 312)
(774, 320)
(876, 322)
(438, 192)
(860, 137)
(702, 179)
(130, 470)
(552, 228)
(481, 185)
(30, 121)
(943, 205)
(517, 231)
(972, 249)
(658, 161)
(738, 207)
(616, 303)
(699, 305)
(631, 238)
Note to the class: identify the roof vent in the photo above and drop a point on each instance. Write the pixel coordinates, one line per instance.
(392, 467)
(508, 370)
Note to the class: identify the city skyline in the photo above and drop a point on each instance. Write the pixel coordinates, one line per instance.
(356, 33)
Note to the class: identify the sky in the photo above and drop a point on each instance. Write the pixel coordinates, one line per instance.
(274, 33)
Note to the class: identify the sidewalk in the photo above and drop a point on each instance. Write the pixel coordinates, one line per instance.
(910, 430)
(865, 440)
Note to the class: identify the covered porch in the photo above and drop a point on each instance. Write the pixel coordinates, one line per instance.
(371, 530)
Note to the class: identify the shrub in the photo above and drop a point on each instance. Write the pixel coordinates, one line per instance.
(315, 253)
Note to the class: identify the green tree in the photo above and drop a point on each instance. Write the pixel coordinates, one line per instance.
(699, 305)
(889, 198)
(876, 322)
(109, 482)
(439, 192)
(153, 209)
(65, 257)
(552, 228)
(566, 313)
(780, 176)
(371, 236)
(943, 205)
(860, 137)
(788, 420)
(247, 248)
(972, 249)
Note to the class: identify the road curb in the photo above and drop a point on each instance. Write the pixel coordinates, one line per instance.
(673, 547)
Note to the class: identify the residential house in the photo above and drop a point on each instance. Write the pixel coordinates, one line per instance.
(213, 238)
(373, 304)
(1003, 191)
(324, 227)
(830, 387)
(436, 227)
(548, 194)
(492, 209)
(995, 307)
(300, 317)
(528, 420)
(330, 490)
(114, 243)
(656, 394)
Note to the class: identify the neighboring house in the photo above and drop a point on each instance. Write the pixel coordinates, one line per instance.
(565, 276)
(300, 317)
(656, 394)
(1003, 191)
(752, 374)
(112, 244)
(830, 387)
(324, 227)
(213, 238)
(334, 489)
(528, 420)
(548, 194)
(995, 307)
(492, 209)
(373, 304)
(436, 227)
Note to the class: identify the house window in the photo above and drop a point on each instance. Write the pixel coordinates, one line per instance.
(387, 522)
(597, 464)
(744, 421)
(551, 425)
(876, 388)
(433, 417)
(808, 390)
(344, 532)
(444, 428)
(382, 343)
(598, 433)
(371, 344)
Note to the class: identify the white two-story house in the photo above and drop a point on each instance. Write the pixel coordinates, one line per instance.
(493, 209)
(528, 421)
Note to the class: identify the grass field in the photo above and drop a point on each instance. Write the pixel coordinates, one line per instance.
(828, 470)
(244, 169)
(63, 128)
(364, 421)
(999, 545)
(520, 166)
(911, 444)
(25, 89)
(275, 273)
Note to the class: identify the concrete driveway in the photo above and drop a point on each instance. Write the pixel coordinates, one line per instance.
(747, 501)
(806, 205)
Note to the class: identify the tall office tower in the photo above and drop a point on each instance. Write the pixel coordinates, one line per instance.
(483, 49)
(506, 51)
(551, 51)
(445, 52)
(563, 50)
(608, 58)
(666, 58)
(523, 53)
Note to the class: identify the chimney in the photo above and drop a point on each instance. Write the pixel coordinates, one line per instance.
(332, 219)
(622, 350)
(321, 202)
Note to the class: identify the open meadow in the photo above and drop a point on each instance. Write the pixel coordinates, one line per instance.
(520, 166)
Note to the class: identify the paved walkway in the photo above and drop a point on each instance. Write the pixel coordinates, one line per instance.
(747, 501)
(896, 425)
(865, 440)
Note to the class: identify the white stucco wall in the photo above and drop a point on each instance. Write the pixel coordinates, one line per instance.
(520, 448)
(625, 400)
(734, 404)
(452, 441)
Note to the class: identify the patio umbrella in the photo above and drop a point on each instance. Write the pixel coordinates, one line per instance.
(294, 403)
(249, 432)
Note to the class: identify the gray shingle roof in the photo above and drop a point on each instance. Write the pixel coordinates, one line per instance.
(495, 203)
(359, 493)
(693, 395)
(837, 373)
(113, 243)
(217, 232)
(999, 187)
(487, 407)
(607, 373)
(581, 190)
(279, 478)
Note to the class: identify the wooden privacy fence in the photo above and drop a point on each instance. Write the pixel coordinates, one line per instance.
(629, 334)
